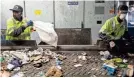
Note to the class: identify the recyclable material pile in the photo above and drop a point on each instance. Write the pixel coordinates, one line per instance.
(116, 66)
(14, 60)
(47, 63)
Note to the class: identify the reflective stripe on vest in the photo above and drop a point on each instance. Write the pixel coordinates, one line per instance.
(114, 24)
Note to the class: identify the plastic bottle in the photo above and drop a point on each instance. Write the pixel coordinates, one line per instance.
(2, 63)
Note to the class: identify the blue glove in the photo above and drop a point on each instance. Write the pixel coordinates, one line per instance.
(30, 23)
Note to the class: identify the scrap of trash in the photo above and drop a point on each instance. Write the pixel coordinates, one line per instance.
(14, 60)
(116, 66)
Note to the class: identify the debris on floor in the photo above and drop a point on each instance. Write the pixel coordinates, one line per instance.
(3, 63)
(126, 72)
(58, 61)
(59, 67)
(10, 66)
(93, 69)
(94, 76)
(130, 54)
(1, 59)
(50, 53)
(120, 73)
(61, 57)
(5, 74)
(38, 65)
(17, 69)
(105, 55)
(19, 74)
(111, 68)
(121, 65)
(77, 65)
(16, 59)
(16, 62)
(130, 71)
(40, 60)
(40, 74)
(125, 60)
(117, 60)
(89, 72)
(89, 57)
(75, 60)
(116, 66)
(20, 55)
(54, 72)
(84, 53)
(45, 59)
(39, 51)
(36, 58)
(82, 57)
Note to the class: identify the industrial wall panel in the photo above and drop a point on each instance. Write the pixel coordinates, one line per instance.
(5, 12)
(39, 10)
(68, 14)
(95, 19)
(73, 36)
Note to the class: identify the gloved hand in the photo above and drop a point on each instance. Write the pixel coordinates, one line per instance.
(112, 44)
(132, 38)
(30, 23)
(128, 43)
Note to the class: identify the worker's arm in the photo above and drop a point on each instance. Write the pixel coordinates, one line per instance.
(31, 28)
(13, 31)
(126, 35)
(105, 32)
(18, 31)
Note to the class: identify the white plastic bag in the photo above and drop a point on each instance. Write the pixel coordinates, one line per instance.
(46, 32)
(35, 36)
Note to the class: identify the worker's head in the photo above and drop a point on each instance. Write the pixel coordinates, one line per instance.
(17, 11)
(131, 6)
(122, 11)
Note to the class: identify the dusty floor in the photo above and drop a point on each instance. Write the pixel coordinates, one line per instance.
(90, 68)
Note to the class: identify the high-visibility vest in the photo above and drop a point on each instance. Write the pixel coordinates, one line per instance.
(113, 26)
(13, 24)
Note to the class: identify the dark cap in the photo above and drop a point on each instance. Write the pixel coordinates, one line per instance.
(17, 8)
(123, 7)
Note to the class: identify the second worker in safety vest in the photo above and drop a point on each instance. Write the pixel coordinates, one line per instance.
(18, 28)
(114, 30)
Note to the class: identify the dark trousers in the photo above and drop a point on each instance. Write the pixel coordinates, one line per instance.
(119, 49)
(120, 46)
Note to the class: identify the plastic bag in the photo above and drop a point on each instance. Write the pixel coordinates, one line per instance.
(46, 32)
(35, 36)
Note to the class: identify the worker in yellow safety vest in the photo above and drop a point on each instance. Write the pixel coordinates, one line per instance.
(18, 28)
(114, 31)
